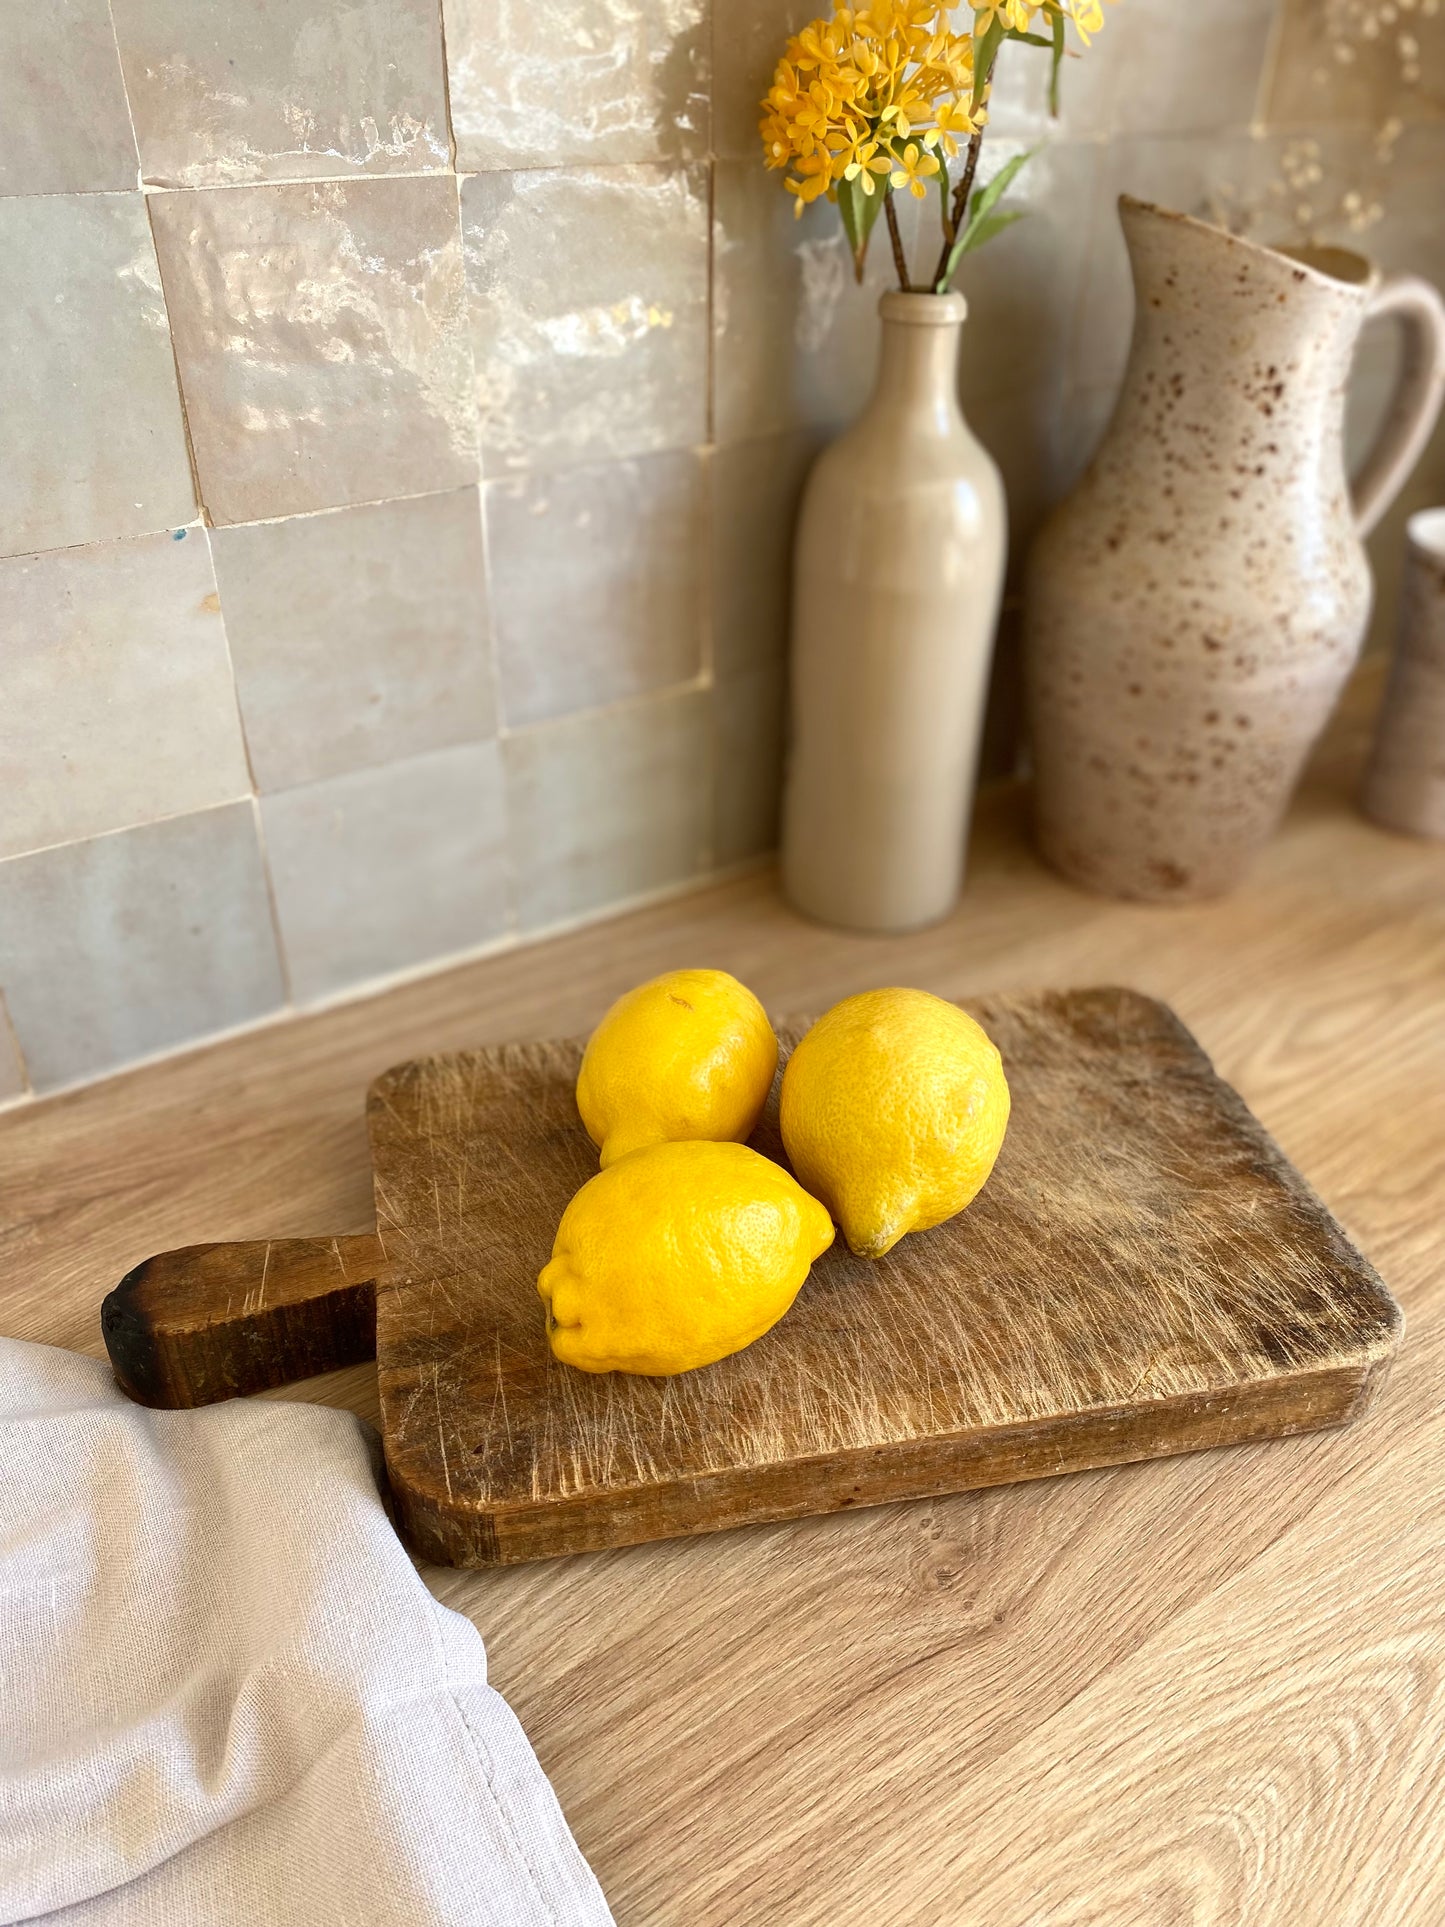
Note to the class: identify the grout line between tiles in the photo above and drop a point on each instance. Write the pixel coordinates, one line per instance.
(231, 666)
(494, 667)
(101, 541)
(514, 479)
(129, 110)
(707, 586)
(358, 177)
(283, 961)
(642, 699)
(202, 512)
(126, 829)
(447, 93)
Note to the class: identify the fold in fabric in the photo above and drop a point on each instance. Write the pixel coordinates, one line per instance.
(225, 1694)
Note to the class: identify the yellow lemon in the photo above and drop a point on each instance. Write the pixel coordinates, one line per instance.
(894, 1106)
(689, 1055)
(676, 1256)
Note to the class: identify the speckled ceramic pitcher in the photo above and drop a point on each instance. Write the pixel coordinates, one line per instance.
(1194, 608)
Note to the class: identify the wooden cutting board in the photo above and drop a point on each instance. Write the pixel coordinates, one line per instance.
(1144, 1274)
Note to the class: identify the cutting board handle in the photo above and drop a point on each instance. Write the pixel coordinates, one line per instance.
(209, 1322)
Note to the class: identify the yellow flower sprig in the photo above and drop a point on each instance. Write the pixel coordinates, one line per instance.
(878, 99)
(847, 90)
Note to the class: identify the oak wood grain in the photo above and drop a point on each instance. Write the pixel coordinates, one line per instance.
(1143, 1274)
(869, 1717)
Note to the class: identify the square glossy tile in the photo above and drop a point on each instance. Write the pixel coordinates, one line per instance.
(756, 489)
(586, 346)
(321, 334)
(359, 637)
(62, 101)
(750, 743)
(94, 442)
(546, 83)
(597, 583)
(126, 945)
(387, 869)
(609, 806)
(116, 699)
(1365, 64)
(246, 90)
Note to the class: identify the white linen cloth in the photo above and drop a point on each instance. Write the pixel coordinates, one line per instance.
(226, 1695)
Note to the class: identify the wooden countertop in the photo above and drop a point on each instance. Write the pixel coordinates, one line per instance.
(1202, 1690)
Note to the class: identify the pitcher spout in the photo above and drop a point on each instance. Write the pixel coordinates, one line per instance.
(1185, 270)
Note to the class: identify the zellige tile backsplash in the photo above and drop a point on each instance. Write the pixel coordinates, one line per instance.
(124, 642)
(95, 444)
(225, 91)
(553, 83)
(358, 637)
(321, 335)
(389, 867)
(587, 347)
(407, 407)
(124, 945)
(62, 102)
(597, 583)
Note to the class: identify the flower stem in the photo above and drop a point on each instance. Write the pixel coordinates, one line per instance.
(900, 260)
(954, 224)
(960, 204)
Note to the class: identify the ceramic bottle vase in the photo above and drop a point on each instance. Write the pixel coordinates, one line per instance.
(1193, 609)
(897, 575)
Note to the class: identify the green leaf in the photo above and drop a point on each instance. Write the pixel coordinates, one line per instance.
(945, 189)
(1058, 62)
(978, 227)
(988, 197)
(859, 211)
(983, 56)
(977, 232)
(1029, 39)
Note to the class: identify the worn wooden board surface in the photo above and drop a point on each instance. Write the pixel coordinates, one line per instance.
(1144, 1274)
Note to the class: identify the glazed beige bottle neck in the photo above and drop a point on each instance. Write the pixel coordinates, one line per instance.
(916, 387)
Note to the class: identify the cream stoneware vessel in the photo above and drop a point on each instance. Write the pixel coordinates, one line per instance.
(1194, 608)
(897, 575)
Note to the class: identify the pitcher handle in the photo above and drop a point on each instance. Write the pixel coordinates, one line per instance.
(1418, 395)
